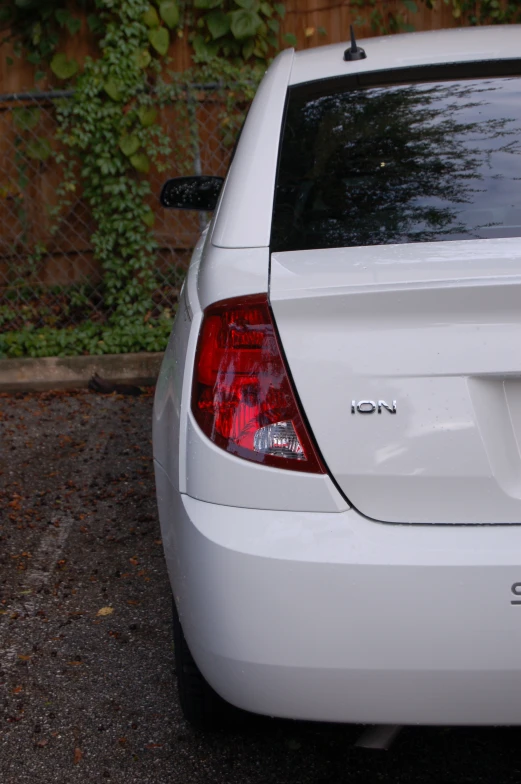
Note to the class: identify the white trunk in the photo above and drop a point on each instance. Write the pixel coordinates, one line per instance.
(435, 327)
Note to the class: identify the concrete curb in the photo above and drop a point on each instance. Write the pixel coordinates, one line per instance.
(26, 375)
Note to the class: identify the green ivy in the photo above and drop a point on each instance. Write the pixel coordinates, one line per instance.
(238, 29)
(110, 131)
(35, 27)
(86, 338)
(108, 138)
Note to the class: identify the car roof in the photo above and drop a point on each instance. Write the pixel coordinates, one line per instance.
(500, 42)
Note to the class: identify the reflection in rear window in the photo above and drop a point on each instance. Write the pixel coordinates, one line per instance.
(400, 163)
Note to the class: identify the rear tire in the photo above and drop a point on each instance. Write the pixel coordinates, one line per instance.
(201, 705)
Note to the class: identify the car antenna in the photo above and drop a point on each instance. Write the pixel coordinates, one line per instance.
(355, 52)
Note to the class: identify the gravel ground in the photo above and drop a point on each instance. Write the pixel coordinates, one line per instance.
(86, 658)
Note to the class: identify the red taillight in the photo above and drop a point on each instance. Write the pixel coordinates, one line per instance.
(242, 396)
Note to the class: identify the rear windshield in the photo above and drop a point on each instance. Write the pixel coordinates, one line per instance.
(408, 162)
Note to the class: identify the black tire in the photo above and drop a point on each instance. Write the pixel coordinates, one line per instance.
(201, 705)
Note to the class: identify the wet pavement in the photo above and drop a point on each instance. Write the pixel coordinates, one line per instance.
(86, 659)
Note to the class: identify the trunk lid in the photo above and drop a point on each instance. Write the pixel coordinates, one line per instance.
(435, 327)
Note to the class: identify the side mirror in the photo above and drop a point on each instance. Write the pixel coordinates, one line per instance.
(192, 193)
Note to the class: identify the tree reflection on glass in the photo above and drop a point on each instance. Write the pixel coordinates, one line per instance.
(405, 163)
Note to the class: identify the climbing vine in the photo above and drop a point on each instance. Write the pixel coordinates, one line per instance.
(108, 138)
(110, 128)
(242, 30)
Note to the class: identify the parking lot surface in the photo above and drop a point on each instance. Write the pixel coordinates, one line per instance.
(86, 659)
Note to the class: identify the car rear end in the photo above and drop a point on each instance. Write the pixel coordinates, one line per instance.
(338, 418)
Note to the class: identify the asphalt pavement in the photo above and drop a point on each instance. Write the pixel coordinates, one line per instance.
(86, 658)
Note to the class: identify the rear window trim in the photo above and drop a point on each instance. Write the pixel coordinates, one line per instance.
(472, 69)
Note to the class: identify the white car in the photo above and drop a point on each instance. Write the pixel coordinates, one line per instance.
(337, 422)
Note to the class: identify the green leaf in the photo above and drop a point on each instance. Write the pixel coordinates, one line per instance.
(290, 39)
(159, 39)
(280, 8)
(129, 144)
(62, 67)
(114, 89)
(140, 162)
(149, 219)
(143, 59)
(207, 3)
(322, 31)
(201, 48)
(62, 15)
(9, 61)
(38, 149)
(274, 25)
(218, 24)
(169, 13)
(73, 25)
(244, 24)
(95, 23)
(39, 75)
(247, 49)
(411, 6)
(266, 9)
(26, 119)
(151, 17)
(147, 115)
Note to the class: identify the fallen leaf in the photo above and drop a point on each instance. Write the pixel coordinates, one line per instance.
(75, 663)
(78, 754)
(24, 658)
(41, 743)
(17, 689)
(105, 611)
(134, 561)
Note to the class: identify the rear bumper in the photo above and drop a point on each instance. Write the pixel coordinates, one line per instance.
(331, 617)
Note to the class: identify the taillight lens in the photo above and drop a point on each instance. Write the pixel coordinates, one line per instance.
(242, 396)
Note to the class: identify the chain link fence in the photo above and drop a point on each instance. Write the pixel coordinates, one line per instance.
(49, 276)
